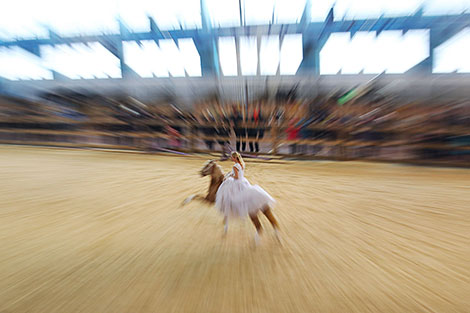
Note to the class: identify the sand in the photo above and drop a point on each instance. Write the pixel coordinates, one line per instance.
(92, 231)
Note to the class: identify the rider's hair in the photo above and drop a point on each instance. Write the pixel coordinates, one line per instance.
(238, 158)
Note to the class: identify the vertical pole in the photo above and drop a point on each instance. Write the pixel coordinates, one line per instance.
(241, 16)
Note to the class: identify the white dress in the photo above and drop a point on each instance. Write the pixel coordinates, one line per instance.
(238, 198)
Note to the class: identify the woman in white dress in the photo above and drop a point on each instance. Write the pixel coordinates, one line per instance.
(236, 197)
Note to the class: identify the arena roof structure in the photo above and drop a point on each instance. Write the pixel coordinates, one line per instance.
(50, 43)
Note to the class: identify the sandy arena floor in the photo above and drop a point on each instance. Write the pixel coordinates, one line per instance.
(89, 231)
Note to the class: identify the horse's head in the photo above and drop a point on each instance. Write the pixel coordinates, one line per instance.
(208, 167)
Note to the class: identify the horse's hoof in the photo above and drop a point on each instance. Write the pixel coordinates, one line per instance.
(277, 235)
(187, 200)
(257, 239)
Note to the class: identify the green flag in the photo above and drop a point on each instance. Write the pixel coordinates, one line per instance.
(348, 96)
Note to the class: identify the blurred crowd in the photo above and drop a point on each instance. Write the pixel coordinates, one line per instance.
(377, 127)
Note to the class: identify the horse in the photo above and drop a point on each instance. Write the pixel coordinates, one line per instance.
(217, 177)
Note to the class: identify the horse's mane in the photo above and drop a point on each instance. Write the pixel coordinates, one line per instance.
(219, 169)
(206, 163)
(217, 178)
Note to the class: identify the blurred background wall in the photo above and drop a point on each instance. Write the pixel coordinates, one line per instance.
(396, 72)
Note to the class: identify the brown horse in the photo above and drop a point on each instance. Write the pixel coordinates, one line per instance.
(217, 177)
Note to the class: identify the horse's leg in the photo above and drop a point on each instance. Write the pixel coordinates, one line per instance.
(254, 218)
(269, 215)
(193, 197)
